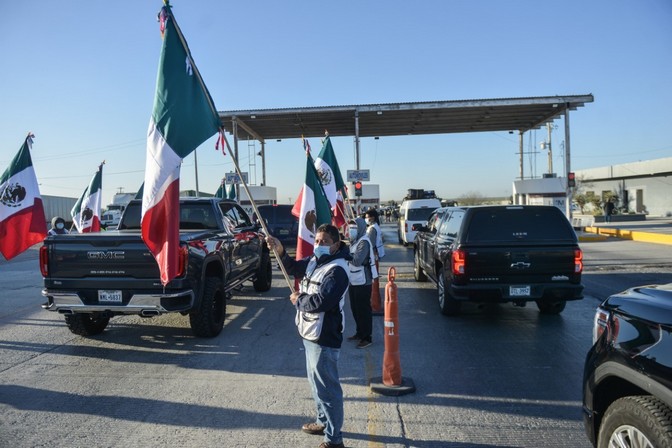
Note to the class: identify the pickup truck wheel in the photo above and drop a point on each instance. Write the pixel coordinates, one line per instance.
(86, 324)
(208, 320)
(448, 305)
(418, 273)
(265, 274)
(551, 307)
(636, 421)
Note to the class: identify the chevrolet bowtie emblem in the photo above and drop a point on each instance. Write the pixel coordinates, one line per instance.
(520, 265)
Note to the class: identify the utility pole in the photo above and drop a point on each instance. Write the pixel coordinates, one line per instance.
(547, 145)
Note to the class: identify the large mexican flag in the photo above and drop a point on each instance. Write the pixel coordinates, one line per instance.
(183, 117)
(22, 221)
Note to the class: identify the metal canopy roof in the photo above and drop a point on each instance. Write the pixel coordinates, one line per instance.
(374, 120)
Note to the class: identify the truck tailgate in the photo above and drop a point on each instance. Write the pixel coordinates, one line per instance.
(110, 254)
(533, 264)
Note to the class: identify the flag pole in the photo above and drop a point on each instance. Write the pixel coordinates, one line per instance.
(221, 131)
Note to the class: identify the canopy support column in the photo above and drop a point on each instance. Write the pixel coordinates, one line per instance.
(520, 155)
(263, 163)
(568, 166)
(234, 124)
(356, 139)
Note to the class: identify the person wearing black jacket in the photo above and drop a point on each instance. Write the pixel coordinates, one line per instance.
(320, 322)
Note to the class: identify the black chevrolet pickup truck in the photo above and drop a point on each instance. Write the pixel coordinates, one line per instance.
(496, 254)
(92, 277)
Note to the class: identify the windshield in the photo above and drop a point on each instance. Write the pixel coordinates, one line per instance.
(419, 214)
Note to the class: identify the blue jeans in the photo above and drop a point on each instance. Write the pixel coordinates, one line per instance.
(322, 372)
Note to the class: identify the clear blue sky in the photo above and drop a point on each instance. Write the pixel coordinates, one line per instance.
(81, 76)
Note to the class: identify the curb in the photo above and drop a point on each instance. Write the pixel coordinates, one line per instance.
(646, 237)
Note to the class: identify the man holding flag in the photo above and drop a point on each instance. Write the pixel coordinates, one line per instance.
(22, 221)
(184, 116)
(320, 322)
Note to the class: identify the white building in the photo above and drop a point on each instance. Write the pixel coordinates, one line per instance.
(646, 187)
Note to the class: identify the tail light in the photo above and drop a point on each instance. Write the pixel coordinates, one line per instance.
(183, 261)
(405, 227)
(44, 261)
(578, 261)
(458, 261)
(599, 324)
(605, 323)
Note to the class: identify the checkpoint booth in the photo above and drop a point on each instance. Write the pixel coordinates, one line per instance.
(544, 191)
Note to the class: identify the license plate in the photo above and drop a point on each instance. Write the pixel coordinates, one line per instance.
(519, 291)
(109, 296)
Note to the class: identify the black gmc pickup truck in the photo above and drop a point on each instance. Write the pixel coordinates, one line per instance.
(627, 377)
(93, 276)
(495, 254)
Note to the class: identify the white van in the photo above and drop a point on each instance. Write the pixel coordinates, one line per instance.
(414, 211)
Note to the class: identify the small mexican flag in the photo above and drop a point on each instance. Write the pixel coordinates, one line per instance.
(332, 181)
(312, 208)
(22, 221)
(87, 210)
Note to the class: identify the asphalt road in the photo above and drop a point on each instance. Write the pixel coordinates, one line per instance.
(499, 376)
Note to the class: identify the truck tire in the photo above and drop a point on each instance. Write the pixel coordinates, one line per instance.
(637, 419)
(208, 320)
(448, 305)
(551, 306)
(418, 273)
(265, 274)
(86, 324)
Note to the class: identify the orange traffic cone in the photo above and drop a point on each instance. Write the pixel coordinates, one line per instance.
(392, 381)
(376, 307)
(391, 360)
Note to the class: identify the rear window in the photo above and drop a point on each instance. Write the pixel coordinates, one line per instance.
(516, 224)
(419, 214)
(192, 216)
(280, 214)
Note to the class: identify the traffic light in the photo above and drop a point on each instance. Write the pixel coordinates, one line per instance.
(571, 180)
(358, 188)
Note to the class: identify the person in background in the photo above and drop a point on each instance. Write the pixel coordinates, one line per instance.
(320, 322)
(57, 226)
(362, 272)
(608, 210)
(374, 233)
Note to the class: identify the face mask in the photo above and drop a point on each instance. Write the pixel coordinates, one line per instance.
(370, 221)
(60, 226)
(352, 233)
(321, 251)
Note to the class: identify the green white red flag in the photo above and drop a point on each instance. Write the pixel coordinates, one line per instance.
(22, 221)
(312, 208)
(221, 191)
(183, 117)
(232, 192)
(87, 210)
(332, 181)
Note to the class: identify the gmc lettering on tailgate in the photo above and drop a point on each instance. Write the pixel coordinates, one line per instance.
(105, 255)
